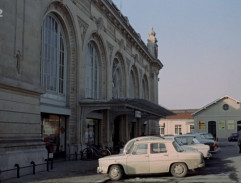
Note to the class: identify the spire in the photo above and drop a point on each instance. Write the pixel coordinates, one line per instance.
(152, 44)
(152, 36)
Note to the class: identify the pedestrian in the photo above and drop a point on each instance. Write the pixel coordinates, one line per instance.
(239, 140)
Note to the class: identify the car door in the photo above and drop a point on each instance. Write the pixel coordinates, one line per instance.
(138, 161)
(158, 159)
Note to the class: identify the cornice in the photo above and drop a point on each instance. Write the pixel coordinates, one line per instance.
(122, 23)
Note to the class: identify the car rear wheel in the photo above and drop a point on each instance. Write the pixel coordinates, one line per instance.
(116, 172)
(179, 169)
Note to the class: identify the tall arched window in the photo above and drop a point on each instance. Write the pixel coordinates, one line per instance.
(92, 72)
(145, 94)
(143, 89)
(132, 85)
(116, 80)
(54, 57)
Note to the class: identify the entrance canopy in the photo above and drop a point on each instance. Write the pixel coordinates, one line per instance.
(140, 107)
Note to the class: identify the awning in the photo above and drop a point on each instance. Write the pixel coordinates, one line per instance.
(147, 108)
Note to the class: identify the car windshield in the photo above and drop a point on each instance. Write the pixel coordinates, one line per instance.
(177, 147)
(207, 136)
(195, 141)
(129, 147)
(179, 141)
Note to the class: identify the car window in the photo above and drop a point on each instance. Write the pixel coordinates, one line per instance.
(182, 141)
(158, 148)
(140, 149)
(130, 144)
(177, 147)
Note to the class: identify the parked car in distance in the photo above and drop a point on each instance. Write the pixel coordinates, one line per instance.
(233, 137)
(189, 141)
(207, 139)
(151, 157)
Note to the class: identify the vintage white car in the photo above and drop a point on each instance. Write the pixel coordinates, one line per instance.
(189, 141)
(150, 157)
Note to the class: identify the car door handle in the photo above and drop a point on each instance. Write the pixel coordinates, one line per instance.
(165, 154)
(146, 155)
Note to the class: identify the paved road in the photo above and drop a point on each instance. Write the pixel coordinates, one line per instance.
(223, 167)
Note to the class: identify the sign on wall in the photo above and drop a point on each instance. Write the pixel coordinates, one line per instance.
(202, 125)
(221, 124)
(230, 125)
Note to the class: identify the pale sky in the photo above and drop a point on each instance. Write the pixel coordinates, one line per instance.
(199, 44)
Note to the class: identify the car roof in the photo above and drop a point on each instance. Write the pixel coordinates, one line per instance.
(186, 135)
(155, 140)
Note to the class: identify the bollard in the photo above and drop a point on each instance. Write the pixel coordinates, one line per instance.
(18, 170)
(76, 156)
(52, 162)
(47, 164)
(34, 165)
(81, 155)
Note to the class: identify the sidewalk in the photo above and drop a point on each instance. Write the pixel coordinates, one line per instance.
(65, 171)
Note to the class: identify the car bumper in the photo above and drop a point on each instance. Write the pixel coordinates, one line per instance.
(215, 150)
(201, 165)
(209, 155)
(99, 170)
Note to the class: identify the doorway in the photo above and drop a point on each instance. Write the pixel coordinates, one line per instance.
(238, 126)
(92, 133)
(212, 128)
(54, 134)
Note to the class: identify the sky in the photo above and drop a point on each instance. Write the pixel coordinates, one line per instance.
(199, 44)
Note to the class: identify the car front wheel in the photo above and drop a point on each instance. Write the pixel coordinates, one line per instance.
(179, 169)
(115, 172)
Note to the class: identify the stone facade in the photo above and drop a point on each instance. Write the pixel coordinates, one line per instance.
(44, 51)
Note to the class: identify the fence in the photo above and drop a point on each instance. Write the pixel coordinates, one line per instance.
(33, 165)
(48, 163)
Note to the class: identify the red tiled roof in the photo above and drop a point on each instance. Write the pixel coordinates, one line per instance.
(180, 116)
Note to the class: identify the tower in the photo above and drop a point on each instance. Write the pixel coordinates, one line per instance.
(152, 44)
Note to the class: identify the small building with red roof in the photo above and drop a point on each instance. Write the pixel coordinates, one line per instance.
(181, 122)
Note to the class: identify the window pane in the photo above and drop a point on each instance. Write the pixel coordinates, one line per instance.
(158, 148)
(116, 80)
(132, 86)
(92, 79)
(53, 56)
(140, 149)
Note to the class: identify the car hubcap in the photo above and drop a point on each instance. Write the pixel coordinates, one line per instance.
(114, 172)
(179, 169)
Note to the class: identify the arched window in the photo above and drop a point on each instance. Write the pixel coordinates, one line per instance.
(132, 85)
(92, 72)
(143, 89)
(116, 80)
(54, 57)
(145, 94)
